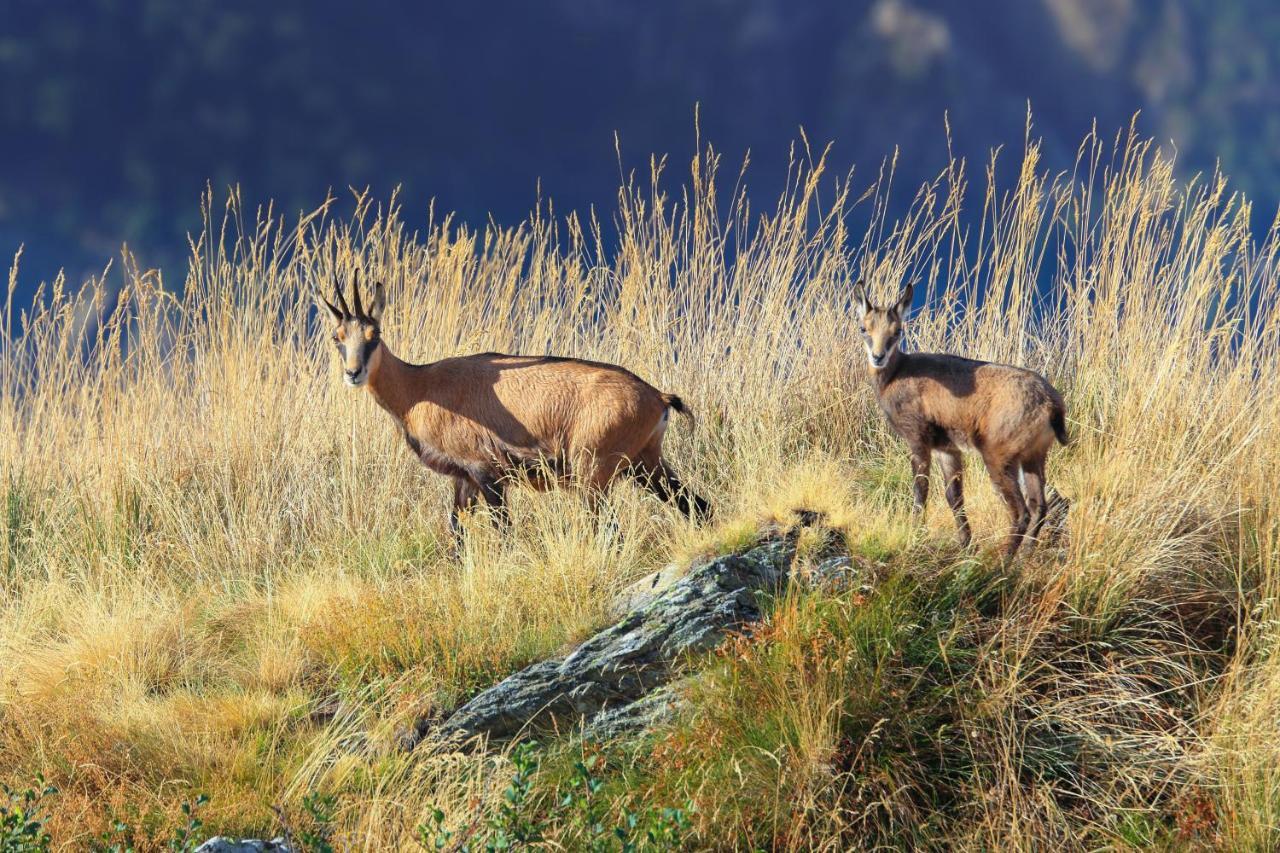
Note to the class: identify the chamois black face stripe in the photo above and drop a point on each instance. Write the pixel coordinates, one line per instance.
(367, 348)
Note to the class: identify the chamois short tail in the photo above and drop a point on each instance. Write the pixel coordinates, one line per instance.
(1058, 420)
(677, 405)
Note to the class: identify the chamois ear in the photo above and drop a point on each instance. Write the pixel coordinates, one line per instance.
(379, 302)
(904, 301)
(860, 298)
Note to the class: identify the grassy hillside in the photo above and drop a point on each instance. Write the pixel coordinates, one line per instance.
(222, 574)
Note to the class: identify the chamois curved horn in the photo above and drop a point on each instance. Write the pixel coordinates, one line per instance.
(342, 300)
(317, 298)
(355, 293)
(337, 315)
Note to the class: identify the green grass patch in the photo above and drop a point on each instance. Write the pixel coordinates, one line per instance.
(872, 719)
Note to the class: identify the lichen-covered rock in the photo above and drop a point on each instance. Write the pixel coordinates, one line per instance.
(839, 574)
(221, 844)
(627, 661)
(641, 593)
(615, 682)
(645, 713)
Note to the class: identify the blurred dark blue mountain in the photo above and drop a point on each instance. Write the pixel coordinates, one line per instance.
(115, 114)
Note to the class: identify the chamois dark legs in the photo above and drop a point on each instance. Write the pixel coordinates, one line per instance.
(1033, 488)
(920, 458)
(662, 481)
(1004, 474)
(687, 501)
(952, 465)
(467, 493)
(494, 492)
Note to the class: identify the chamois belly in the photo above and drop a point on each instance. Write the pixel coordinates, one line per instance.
(541, 470)
(961, 439)
(436, 460)
(920, 430)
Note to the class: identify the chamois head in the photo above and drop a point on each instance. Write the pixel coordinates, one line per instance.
(881, 328)
(356, 333)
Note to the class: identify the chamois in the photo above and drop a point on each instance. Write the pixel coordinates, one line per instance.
(942, 404)
(481, 418)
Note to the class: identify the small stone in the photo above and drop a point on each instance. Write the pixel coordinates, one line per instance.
(835, 575)
(222, 844)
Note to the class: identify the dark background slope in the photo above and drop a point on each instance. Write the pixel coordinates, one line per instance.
(113, 115)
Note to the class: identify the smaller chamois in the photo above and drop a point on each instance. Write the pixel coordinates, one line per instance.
(941, 404)
(479, 419)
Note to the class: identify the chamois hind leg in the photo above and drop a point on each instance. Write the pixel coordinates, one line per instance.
(952, 465)
(653, 473)
(595, 475)
(1004, 474)
(1033, 487)
(692, 504)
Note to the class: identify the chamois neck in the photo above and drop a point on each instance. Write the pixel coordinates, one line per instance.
(882, 377)
(388, 383)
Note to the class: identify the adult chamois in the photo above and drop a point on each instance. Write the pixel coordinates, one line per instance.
(942, 404)
(480, 419)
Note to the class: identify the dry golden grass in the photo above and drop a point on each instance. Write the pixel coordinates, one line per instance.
(220, 571)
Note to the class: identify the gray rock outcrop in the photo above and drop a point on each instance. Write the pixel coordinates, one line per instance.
(645, 713)
(614, 682)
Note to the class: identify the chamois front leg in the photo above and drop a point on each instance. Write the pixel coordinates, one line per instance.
(919, 479)
(465, 495)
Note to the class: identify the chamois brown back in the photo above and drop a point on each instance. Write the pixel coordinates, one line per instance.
(502, 411)
(1001, 411)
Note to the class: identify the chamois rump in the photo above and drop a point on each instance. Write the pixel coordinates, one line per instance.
(941, 404)
(480, 419)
